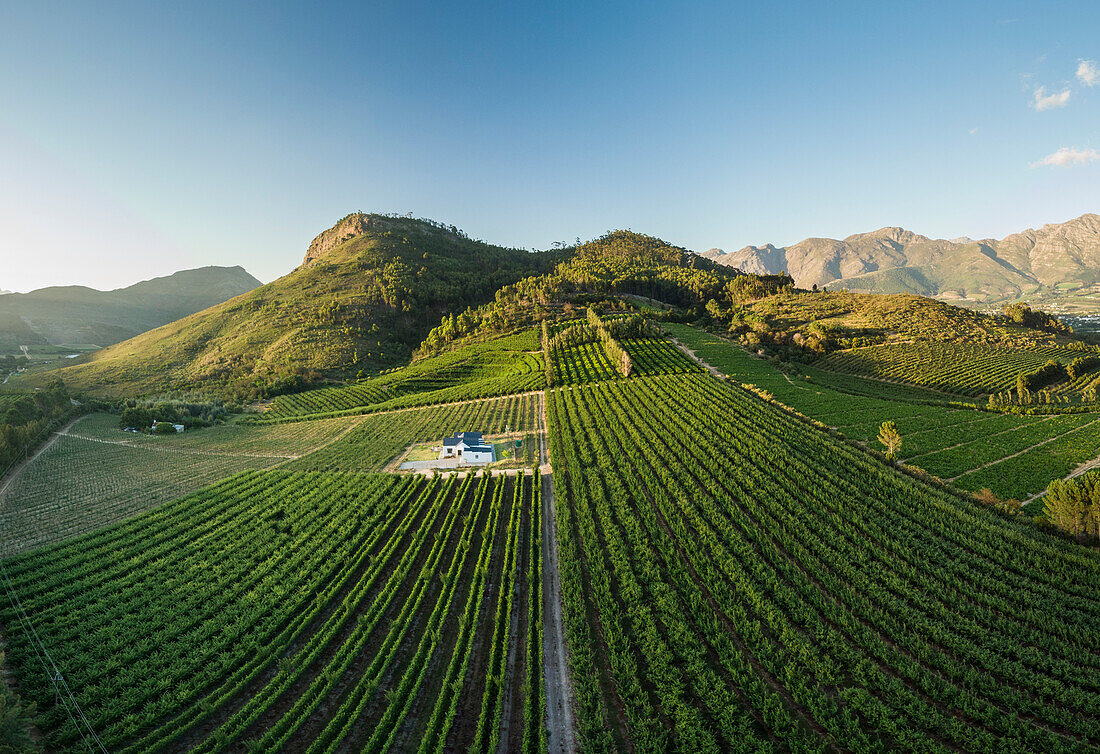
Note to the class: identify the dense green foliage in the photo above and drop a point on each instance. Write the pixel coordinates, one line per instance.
(1022, 314)
(26, 418)
(960, 368)
(297, 611)
(16, 718)
(804, 324)
(1073, 505)
(616, 264)
(750, 584)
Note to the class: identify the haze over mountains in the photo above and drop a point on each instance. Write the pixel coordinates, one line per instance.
(75, 314)
(1055, 260)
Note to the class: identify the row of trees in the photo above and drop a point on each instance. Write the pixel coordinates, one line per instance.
(1049, 373)
(190, 412)
(25, 421)
(616, 354)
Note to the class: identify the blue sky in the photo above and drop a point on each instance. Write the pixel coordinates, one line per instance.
(135, 140)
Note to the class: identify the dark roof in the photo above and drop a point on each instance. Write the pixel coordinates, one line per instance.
(470, 438)
(481, 448)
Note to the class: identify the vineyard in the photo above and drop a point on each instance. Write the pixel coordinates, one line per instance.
(587, 362)
(95, 474)
(297, 611)
(498, 367)
(747, 583)
(1014, 456)
(379, 439)
(966, 369)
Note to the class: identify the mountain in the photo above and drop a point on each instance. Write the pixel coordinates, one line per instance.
(1053, 261)
(76, 314)
(367, 292)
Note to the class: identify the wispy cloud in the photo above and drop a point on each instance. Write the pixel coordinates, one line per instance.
(1088, 73)
(973, 131)
(1042, 101)
(1068, 156)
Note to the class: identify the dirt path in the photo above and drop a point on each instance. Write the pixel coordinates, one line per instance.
(972, 439)
(559, 690)
(1081, 469)
(1025, 450)
(692, 355)
(45, 446)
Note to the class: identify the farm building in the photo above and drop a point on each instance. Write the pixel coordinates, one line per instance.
(468, 447)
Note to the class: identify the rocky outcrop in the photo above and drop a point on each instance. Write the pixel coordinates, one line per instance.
(353, 225)
(1056, 257)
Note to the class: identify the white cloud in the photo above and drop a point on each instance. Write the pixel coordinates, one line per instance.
(1043, 101)
(973, 131)
(1068, 156)
(1088, 73)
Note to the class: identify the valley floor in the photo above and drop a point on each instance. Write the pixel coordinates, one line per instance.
(679, 564)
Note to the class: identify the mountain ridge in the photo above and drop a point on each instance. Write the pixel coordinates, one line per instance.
(1054, 260)
(67, 314)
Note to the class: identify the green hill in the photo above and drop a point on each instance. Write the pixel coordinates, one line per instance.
(368, 292)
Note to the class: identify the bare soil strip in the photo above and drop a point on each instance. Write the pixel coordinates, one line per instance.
(1025, 450)
(559, 691)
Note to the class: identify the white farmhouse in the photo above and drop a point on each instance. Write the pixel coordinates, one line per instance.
(468, 448)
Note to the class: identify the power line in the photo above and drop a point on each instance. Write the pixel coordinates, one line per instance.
(64, 696)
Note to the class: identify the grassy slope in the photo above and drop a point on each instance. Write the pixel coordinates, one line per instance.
(364, 305)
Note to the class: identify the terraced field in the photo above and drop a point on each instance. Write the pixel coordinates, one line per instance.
(735, 580)
(498, 367)
(959, 368)
(1014, 456)
(297, 611)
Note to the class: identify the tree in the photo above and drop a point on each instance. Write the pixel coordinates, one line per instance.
(16, 718)
(1073, 505)
(136, 417)
(889, 436)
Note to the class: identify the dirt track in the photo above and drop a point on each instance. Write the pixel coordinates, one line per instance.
(559, 691)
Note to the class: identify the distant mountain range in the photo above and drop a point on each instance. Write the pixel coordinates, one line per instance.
(1054, 261)
(75, 314)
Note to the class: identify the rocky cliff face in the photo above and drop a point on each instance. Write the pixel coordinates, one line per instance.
(351, 226)
(1056, 258)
